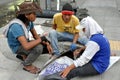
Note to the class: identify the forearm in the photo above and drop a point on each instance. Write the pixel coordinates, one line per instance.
(31, 44)
(88, 54)
(36, 37)
(72, 66)
(34, 34)
(76, 36)
(54, 26)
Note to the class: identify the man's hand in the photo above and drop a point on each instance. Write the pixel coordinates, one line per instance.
(76, 53)
(65, 72)
(73, 47)
(49, 47)
(50, 50)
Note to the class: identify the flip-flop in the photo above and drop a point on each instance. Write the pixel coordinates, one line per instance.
(36, 72)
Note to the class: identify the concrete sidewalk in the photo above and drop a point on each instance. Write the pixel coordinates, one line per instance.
(105, 12)
(11, 67)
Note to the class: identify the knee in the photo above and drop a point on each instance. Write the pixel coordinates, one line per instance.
(38, 49)
(52, 33)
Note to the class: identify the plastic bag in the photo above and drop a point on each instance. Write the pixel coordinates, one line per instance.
(55, 67)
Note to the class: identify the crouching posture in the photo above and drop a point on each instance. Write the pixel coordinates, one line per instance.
(17, 35)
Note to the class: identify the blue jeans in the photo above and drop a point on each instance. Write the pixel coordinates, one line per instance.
(62, 36)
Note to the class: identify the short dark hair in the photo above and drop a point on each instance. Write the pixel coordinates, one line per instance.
(68, 7)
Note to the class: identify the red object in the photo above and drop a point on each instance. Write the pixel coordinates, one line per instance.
(67, 12)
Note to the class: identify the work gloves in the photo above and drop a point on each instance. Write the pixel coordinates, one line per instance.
(73, 46)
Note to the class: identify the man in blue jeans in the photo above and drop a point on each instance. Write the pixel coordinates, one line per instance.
(64, 29)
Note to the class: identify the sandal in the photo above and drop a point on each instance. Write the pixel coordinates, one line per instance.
(34, 70)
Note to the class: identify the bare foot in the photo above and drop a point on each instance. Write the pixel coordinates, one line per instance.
(31, 69)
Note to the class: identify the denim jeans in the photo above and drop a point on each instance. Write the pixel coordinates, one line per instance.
(63, 36)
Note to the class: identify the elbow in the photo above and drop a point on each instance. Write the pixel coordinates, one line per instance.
(82, 61)
(26, 48)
